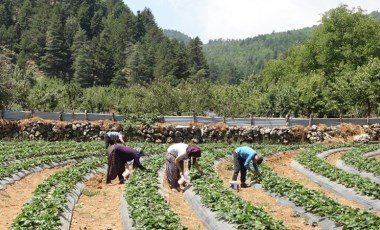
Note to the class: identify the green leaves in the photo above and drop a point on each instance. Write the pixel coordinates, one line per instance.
(355, 158)
(223, 201)
(147, 207)
(45, 207)
(319, 166)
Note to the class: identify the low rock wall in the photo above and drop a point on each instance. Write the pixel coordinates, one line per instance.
(164, 133)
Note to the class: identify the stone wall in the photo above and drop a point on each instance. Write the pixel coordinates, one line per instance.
(164, 133)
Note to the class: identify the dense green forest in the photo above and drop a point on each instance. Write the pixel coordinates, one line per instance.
(231, 61)
(97, 55)
(174, 34)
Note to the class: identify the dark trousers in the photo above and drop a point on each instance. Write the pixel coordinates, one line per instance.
(239, 167)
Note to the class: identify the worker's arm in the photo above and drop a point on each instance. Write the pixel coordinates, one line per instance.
(178, 161)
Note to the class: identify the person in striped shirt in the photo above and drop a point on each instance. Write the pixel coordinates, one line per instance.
(113, 138)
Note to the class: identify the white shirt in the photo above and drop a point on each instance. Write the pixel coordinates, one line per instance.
(179, 149)
(114, 136)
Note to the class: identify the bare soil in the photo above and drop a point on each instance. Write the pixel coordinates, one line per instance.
(260, 198)
(280, 163)
(98, 206)
(179, 205)
(377, 157)
(17, 194)
(333, 158)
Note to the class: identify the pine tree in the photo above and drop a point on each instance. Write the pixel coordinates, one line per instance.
(24, 15)
(197, 60)
(55, 59)
(5, 14)
(103, 59)
(82, 60)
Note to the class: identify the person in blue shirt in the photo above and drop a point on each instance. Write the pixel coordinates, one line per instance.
(242, 158)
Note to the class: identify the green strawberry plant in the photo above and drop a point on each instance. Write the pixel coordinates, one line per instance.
(48, 201)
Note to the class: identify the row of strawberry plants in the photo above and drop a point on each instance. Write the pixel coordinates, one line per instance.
(147, 207)
(223, 201)
(11, 144)
(11, 150)
(316, 202)
(47, 203)
(310, 160)
(20, 150)
(356, 158)
(25, 165)
(43, 152)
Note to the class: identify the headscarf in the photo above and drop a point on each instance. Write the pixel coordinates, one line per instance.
(193, 151)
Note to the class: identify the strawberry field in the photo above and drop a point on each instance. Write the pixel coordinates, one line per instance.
(61, 185)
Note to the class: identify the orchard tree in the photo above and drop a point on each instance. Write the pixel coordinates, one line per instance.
(195, 96)
(339, 95)
(46, 95)
(310, 95)
(227, 100)
(97, 99)
(5, 85)
(22, 82)
(135, 100)
(345, 39)
(72, 98)
(366, 84)
(162, 96)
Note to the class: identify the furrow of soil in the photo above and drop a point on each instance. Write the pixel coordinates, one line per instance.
(280, 163)
(333, 158)
(261, 198)
(98, 205)
(179, 205)
(377, 157)
(17, 194)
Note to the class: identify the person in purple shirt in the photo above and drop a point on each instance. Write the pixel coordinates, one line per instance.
(242, 158)
(118, 157)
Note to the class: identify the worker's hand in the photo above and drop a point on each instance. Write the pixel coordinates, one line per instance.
(257, 174)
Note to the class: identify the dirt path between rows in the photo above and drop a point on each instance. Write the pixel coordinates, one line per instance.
(280, 163)
(98, 206)
(179, 205)
(377, 157)
(17, 194)
(260, 198)
(333, 158)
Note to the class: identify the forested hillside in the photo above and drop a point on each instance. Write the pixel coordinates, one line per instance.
(376, 15)
(174, 34)
(94, 42)
(231, 61)
(97, 55)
